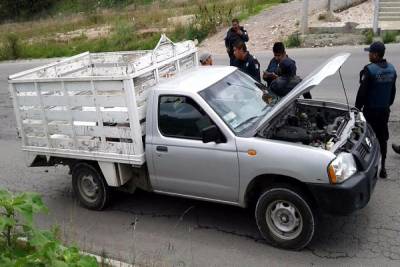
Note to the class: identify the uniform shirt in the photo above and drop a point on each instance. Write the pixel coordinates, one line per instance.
(232, 37)
(250, 66)
(273, 68)
(377, 90)
(282, 85)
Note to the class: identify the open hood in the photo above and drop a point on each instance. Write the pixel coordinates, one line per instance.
(330, 67)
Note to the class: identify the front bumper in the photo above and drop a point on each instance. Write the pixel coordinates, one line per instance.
(352, 194)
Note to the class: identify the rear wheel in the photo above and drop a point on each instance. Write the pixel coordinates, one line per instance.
(285, 218)
(90, 186)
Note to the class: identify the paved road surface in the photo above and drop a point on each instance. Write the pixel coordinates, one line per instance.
(165, 231)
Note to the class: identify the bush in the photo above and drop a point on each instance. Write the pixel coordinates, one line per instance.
(22, 244)
(389, 37)
(368, 36)
(22, 9)
(11, 48)
(293, 40)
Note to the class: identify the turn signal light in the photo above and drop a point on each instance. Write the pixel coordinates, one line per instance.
(332, 174)
(251, 153)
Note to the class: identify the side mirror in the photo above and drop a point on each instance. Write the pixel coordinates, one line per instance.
(211, 134)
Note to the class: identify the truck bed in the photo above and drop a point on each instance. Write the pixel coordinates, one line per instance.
(93, 106)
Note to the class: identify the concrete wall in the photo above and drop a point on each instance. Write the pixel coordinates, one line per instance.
(336, 4)
(343, 4)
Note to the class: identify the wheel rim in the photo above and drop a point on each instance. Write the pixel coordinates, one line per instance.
(89, 188)
(284, 219)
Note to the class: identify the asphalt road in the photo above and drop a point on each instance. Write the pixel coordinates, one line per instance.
(165, 231)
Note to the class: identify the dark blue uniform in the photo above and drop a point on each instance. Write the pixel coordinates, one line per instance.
(250, 66)
(274, 65)
(375, 96)
(233, 37)
(287, 79)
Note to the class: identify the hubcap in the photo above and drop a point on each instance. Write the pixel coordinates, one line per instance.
(284, 219)
(89, 188)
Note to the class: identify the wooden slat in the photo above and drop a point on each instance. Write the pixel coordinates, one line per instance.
(77, 86)
(114, 132)
(24, 87)
(93, 145)
(108, 86)
(77, 115)
(74, 101)
(28, 100)
(50, 87)
(119, 148)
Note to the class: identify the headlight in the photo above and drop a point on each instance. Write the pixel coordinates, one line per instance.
(341, 168)
(360, 117)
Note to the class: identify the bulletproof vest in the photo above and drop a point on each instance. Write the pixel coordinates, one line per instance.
(381, 85)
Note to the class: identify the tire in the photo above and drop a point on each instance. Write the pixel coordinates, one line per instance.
(90, 186)
(285, 218)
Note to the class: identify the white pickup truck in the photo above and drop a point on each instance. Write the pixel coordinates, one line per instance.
(155, 120)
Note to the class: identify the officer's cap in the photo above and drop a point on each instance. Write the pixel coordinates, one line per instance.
(376, 47)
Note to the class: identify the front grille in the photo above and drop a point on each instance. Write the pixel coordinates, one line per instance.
(363, 148)
(362, 151)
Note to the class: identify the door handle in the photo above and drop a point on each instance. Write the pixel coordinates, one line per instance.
(162, 149)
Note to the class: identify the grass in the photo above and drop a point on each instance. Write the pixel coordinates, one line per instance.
(127, 23)
(293, 40)
(368, 36)
(389, 37)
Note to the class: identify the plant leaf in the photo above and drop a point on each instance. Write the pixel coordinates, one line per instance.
(6, 222)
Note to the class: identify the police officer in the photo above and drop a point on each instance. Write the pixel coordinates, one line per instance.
(235, 34)
(376, 94)
(245, 61)
(273, 71)
(286, 80)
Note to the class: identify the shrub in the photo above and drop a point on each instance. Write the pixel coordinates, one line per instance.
(368, 36)
(22, 244)
(11, 48)
(389, 37)
(293, 40)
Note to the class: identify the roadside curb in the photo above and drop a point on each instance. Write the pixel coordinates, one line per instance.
(108, 261)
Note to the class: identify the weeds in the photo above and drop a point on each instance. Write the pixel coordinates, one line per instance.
(22, 244)
(389, 37)
(369, 36)
(293, 40)
(38, 39)
(11, 48)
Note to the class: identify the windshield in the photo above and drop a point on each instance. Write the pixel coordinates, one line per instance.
(238, 100)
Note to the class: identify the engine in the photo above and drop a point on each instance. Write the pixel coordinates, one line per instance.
(309, 125)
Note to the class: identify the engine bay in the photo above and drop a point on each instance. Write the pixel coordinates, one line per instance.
(308, 124)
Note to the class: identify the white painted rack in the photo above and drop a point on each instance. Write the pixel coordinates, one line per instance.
(93, 105)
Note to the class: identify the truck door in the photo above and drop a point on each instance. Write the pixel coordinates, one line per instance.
(182, 163)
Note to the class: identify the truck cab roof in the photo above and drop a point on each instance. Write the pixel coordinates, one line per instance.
(195, 79)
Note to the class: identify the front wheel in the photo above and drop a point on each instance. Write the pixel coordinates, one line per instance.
(90, 186)
(285, 218)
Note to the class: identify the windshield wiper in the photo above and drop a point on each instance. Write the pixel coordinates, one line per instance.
(247, 121)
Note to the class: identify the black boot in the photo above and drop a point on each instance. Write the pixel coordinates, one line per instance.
(383, 173)
(396, 148)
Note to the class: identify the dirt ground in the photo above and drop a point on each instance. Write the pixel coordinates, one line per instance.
(278, 22)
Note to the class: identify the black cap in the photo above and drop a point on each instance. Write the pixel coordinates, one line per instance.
(376, 47)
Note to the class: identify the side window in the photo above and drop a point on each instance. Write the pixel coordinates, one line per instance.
(180, 116)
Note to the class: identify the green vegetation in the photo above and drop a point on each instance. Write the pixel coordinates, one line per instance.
(70, 27)
(369, 36)
(293, 40)
(23, 245)
(389, 37)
